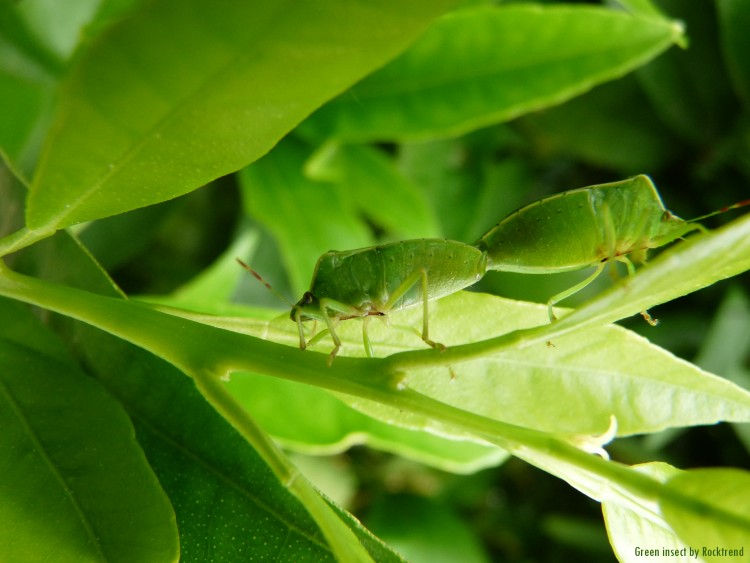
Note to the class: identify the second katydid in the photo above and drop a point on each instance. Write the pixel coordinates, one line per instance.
(588, 227)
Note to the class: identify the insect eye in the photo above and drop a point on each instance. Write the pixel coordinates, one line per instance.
(308, 297)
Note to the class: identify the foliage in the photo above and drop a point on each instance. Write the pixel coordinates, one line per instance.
(318, 125)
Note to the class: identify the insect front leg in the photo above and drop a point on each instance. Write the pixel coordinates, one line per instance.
(298, 320)
(631, 271)
(303, 344)
(327, 305)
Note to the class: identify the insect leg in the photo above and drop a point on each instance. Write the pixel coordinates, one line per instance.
(318, 337)
(628, 263)
(336, 306)
(300, 327)
(425, 316)
(366, 337)
(406, 285)
(298, 320)
(573, 290)
(608, 231)
(631, 271)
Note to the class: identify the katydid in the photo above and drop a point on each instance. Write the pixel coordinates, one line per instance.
(586, 227)
(380, 279)
(569, 231)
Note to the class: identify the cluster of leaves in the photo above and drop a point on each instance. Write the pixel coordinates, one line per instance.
(345, 124)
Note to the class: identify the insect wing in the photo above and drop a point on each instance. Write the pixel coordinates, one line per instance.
(449, 266)
(580, 228)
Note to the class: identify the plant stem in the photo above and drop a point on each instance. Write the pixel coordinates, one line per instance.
(21, 239)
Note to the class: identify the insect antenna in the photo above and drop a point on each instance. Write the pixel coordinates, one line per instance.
(721, 210)
(258, 277)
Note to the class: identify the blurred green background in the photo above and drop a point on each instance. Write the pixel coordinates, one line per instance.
(682, 119)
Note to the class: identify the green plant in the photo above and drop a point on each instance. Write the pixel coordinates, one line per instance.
(108, 452)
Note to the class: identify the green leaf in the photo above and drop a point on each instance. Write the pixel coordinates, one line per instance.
(689, 89)
(378, 189)
(734, 19)
(571, 384)
(683, 515)
(146, 115)
(59, 27)
(635, 530)
(75, 484)
(468, 186)
(425, 530)
(476, 67)
(217, 282)
(275, 189)
(583, 127)
(28, 77)
(332, 426)
(722, 522)
(227, 501)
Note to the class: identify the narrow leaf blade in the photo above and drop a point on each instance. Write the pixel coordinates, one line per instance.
(477, 67)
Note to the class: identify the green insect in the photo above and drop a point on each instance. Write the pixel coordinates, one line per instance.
(587, 227)
(573, 230)
(380, 279)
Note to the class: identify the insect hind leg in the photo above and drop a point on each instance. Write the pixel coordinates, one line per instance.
(416, 276)
(573, 290)
(608, 237)
(366, 337)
